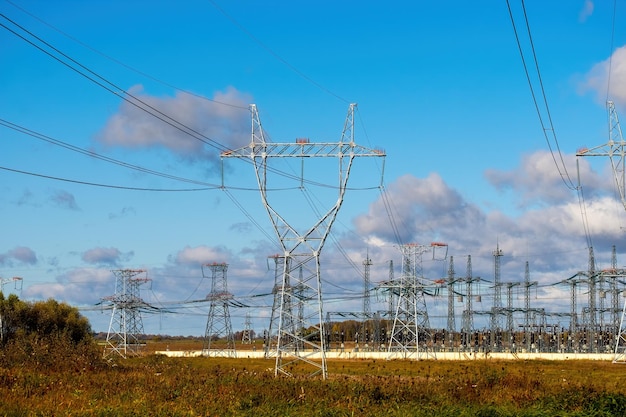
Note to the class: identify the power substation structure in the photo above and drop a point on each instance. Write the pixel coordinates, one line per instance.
(300, 332)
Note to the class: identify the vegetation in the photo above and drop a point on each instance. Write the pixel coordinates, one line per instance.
(46, 334)
(50, 365)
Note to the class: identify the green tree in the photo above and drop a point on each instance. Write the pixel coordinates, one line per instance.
(45, 333)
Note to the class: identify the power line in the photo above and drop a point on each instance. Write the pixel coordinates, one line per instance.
(95, 155)
(118, 62)
(275, 55)
(562, 169)
(133, 100)
(94, 184)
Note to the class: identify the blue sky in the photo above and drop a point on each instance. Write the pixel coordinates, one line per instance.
(440, 87)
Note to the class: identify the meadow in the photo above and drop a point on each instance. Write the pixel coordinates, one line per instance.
(156, 385)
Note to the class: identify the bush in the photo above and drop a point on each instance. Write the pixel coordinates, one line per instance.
(45, 334)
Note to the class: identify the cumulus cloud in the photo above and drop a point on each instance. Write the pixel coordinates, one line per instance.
(200, 255)
(132, 127)
(596, 80)
(80, 286)
(105, 256)
(419, 209)
(538, 181)
(19, 255)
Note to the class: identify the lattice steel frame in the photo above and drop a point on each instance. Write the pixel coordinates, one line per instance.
(126, 325)
(302, 342)
(218, 321)
(410, 321)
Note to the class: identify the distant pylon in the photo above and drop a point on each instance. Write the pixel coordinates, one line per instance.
(218, 323)
(467, 328)
(246, 335)
(410, 322)
(126, 325)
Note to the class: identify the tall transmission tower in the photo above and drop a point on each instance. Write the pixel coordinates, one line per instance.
(302, 343)
(496, 319)
(527, 323)
(450, 285)
(410, 322)
(615, 149)
(367, 264)
(126, 325)
(246, 335)
(467, 328)
(218, 322)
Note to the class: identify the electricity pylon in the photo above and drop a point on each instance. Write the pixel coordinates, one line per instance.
(410, 321)
(126, 325)
(246, 335)
(303, 342)
(615, 149)
(218, 322)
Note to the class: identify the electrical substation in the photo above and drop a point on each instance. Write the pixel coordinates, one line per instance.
(410, 315)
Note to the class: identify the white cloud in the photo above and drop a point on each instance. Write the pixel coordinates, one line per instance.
(105, 256)
(132, 127)
(20, 255)
(597, 79)
(79, 286)
(200, 255)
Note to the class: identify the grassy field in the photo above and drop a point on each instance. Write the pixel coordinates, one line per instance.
(154, 385)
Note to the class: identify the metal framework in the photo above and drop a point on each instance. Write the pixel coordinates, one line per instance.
(615, 149)
(300, 336)
(246, 334)
(218, 324)
(410, 321)
(126, 325)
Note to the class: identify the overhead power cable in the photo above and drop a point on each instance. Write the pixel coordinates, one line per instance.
(118, 62)
(562, 169)
(133, 100)
(108, 85)
(275, 55)
(95, 155)
(18, 171)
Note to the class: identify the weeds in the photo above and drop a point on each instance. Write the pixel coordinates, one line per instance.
(160, 386)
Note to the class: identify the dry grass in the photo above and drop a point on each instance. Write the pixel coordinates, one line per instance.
(159, 386)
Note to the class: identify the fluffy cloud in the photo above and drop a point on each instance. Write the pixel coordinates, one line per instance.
(79, 286)
(597, 78)
(134, 127)
(543, 178)
(200, 255)
(105, 256)
(18, 255)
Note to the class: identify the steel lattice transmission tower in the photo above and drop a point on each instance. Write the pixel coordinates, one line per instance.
(218, 322)
(615, 149)
(467, 328)
(410, 322)
(126, 325)
(246, 335)
(302, 343)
